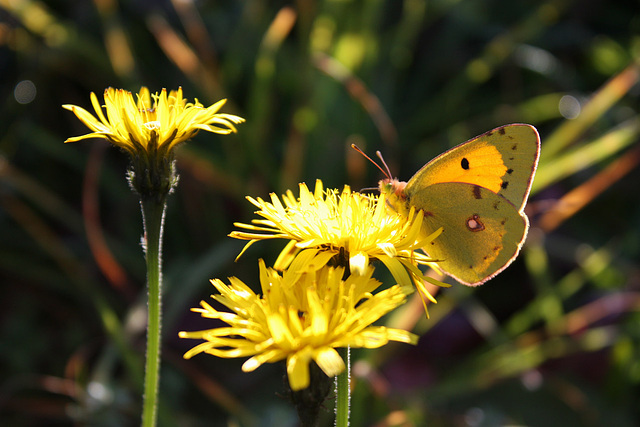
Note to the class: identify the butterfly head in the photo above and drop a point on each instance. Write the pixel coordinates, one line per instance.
(392, 187)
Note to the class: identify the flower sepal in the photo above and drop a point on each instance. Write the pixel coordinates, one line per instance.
(153, 171)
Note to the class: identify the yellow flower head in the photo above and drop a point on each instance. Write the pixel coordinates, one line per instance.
(325, 224)
(167, 120)
(300, 317)
(149, 128)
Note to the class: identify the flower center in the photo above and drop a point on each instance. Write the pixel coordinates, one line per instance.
(153, 125)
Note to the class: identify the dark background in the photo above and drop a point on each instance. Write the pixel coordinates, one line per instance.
(554, 340)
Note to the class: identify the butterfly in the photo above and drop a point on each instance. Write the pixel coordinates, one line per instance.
(476, 192)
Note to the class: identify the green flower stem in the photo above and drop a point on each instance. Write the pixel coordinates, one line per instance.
(343, 390)
(153, 215)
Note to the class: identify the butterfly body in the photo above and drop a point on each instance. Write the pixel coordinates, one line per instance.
(475, 192)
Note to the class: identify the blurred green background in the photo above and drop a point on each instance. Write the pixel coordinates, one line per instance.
(552, 341)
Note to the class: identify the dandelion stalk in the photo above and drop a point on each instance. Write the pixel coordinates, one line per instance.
(149, 129)
(153, 216)
(343, 379)
(343, 390)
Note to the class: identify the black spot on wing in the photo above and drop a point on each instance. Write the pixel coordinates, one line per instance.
(501, 131)
(477, 194)
(464, 163)
(509, 171)
(504, 185)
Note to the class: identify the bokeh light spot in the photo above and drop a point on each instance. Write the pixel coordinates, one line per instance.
(25, 92)
(569, 107)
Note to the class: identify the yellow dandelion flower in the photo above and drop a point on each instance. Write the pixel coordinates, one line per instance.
(169, 119)
(150, 127)
(300, 317)
(325, 224)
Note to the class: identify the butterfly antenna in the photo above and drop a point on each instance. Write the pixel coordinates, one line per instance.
(387, 173)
